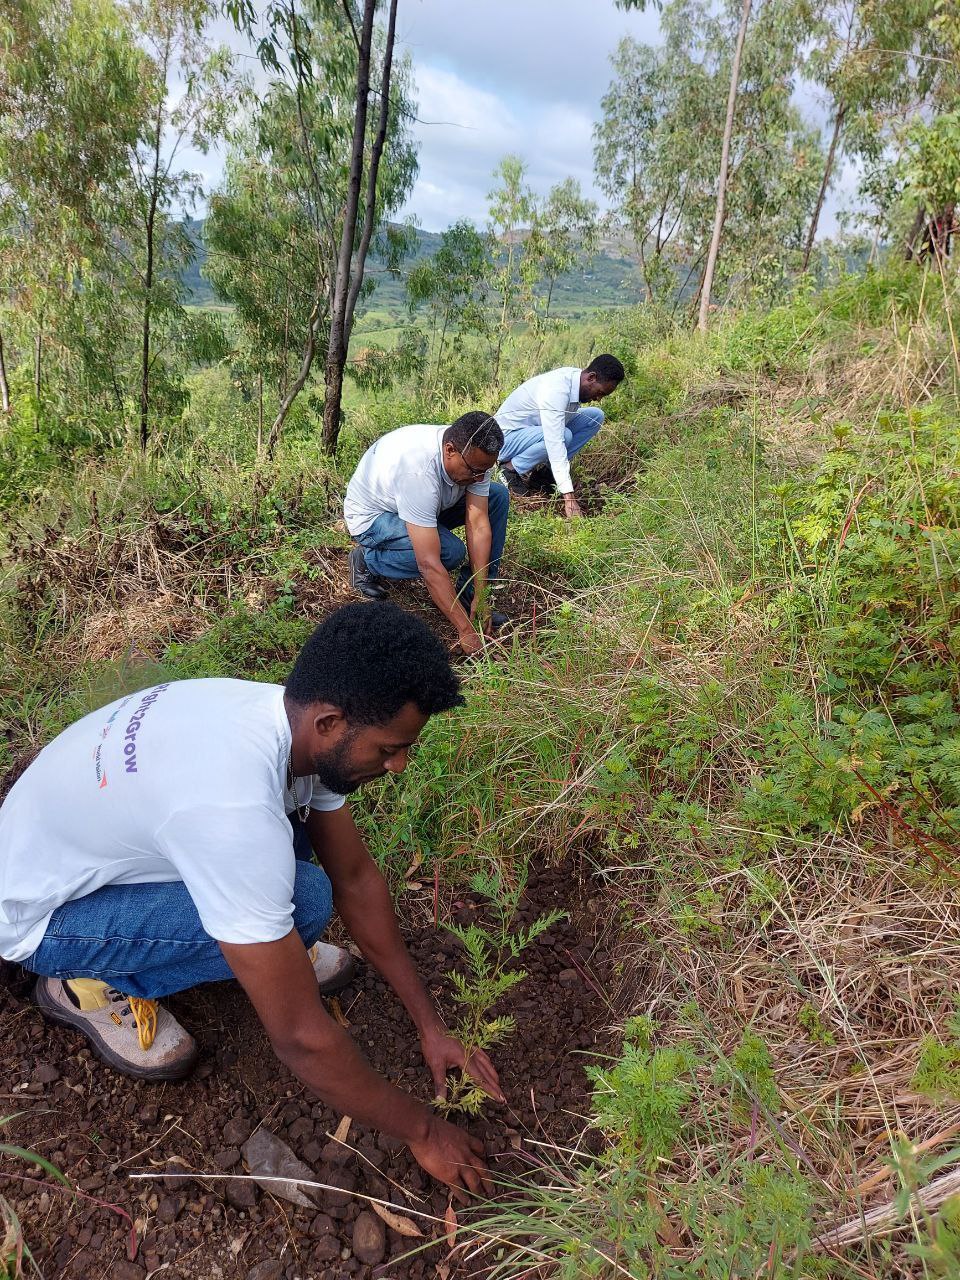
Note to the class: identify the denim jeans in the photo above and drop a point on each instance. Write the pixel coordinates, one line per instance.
(147, 940)
(389, 553)
(525, 447)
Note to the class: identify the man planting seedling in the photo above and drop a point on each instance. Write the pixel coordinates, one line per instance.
(412, 488)
(545, 426)
(151, 847)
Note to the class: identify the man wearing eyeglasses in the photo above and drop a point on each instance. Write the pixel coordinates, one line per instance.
(411, 489)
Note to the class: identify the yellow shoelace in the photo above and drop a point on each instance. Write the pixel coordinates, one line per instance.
(145, 1016)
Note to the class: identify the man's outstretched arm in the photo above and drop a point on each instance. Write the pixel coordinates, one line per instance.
(479, 538)
(426, 548)
(363, 903)
(281, 984)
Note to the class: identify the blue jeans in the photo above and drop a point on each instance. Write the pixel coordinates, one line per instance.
(388, 550)
(525, 447)
(147, 940)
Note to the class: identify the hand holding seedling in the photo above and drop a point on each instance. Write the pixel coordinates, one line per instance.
(443, 1052)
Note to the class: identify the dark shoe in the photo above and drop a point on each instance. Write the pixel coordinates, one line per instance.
(514, 481)
(540, 479)
(361, 579)
(499, 620)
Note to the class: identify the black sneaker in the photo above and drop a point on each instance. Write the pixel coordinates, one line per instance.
(514, 481)
(361, 579)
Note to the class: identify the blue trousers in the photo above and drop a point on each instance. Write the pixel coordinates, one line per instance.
(389, 553)
(147, 940)
(526, 448)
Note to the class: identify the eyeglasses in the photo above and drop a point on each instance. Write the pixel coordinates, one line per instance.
(473, 470)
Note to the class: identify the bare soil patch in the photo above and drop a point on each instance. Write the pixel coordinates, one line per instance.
(98, 1126)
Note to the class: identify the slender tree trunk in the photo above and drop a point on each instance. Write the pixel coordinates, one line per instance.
(707, 285)
(150, 229)
(259, 413)
(4, 385)
(297, 385)
(38, 360)
(337, 344)
(911, 251)
(145, 341)
(827, 173)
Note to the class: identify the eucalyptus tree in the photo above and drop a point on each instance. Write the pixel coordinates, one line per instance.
(71, 109)
(311, 181)
(512, 207)
(352, 103)
(565, 231)
(667, 124)
(190, 92)
(454, 285)
(655, 146)
(878, 63)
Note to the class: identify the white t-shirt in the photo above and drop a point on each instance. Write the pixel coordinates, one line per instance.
(183, 781)
(549, 401)
(403, 472)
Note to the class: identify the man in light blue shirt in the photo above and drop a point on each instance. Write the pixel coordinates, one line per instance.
(544, 426)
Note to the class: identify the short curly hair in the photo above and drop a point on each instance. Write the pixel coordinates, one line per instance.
(477, 430)
(370, 660)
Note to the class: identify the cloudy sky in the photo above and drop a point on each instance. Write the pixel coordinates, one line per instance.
(500, 76)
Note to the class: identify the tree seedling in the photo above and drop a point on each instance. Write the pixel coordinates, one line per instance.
(489, 951)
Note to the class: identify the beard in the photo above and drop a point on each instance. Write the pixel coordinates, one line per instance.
(334, 771)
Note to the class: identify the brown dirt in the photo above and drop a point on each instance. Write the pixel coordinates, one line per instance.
(98, 1126)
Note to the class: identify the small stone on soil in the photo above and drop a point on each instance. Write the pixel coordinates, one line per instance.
(236, 1131)
(268, 1270)
(369, 1238)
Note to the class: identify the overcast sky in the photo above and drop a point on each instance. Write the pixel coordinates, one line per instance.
(500, 76)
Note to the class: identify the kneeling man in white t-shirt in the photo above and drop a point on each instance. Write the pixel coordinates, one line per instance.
(169, 839)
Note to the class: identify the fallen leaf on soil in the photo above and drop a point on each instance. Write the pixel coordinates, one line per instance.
(342, 1129)
(268, 1157)
(450, 1218)
(413, 885)
(443, 1270)
(417, 859)
(403, 1226)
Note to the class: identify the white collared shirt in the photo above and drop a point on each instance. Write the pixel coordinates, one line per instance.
(403, 472)
(549, 400)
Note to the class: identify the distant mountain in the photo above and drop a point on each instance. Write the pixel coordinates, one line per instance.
(610, 279)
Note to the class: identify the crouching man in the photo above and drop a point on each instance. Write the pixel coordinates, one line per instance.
(412, 488)
(150, 847)
(545, 426)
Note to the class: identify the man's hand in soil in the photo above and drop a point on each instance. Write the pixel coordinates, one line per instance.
(470, 640)
(571, 507)
(443, 1053)
(455, 1158)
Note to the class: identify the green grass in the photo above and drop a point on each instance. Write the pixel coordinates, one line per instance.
(738, 706)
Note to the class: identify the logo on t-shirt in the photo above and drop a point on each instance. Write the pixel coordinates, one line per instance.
(133, 728)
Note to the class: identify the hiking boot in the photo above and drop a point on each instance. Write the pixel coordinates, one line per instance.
(138, 1037)
(361, 579)
(334, 967)
(514, 481)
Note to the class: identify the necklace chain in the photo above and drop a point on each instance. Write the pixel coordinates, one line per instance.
(302, 810)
